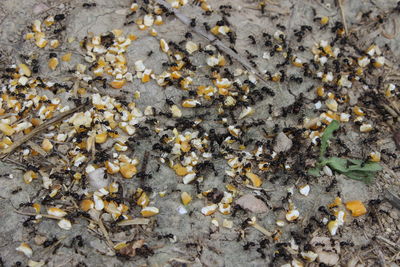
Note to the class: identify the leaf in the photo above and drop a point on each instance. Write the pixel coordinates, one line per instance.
(360, 176)
(338, 164)
(328, 133)
(359, 165)
(353, 168)
(314, 171)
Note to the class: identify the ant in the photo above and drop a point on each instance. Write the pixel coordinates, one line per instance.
(253, 40)
(88, 5)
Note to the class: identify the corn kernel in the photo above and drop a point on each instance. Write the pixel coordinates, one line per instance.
(149, 211)
(127, 170)
(356, 207)
(255, 179)
(53, 63)
(186, 198)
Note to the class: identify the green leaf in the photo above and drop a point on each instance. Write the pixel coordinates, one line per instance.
(368, 167)
(338, 164)
(360, 176)
(359, 165)
(328, 133)
(353, 168)
(314, 171)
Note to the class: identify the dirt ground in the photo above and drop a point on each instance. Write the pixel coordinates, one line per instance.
(192, 239)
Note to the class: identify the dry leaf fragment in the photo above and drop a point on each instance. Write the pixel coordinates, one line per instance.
(130, 250)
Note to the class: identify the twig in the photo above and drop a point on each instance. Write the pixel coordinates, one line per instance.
(390, 36)
(105, 233)
(53, 245)
(343, 17)
(394, 200)
(37, 148)
(261, 229)
(387, 241)
(38, 129)
(38, 214)
(136, 221)
(212, 39)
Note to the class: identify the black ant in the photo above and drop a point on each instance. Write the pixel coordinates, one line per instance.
(88, 5)
(253, 40)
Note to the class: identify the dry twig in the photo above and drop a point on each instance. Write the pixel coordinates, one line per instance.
(39, 129)
(343, 16)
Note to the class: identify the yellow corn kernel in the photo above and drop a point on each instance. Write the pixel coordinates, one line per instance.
(186, 198)
(6, 129)
(36, 26)
(66, 57)
(54, 43)
(375, 156)
(190, 103)
(53, 63)
(164, 46)
(112, 168)
(101, 138)
(149, 211)
(321, 91)
(24, 70)
(215, 30)
(117, 84)
(127, 170)
(143, 200)
(47, 145)
(356, 207)
(324, 20)
(255, 179)
(56, 212)
(29, 35)
(86, 205)
(357, 110)
(209, 209)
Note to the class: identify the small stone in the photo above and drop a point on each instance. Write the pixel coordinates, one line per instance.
(327, 171)
(96, 178)
(282, 143)
(251, 203)
(304, 190)
(40, 239)
(327, 254)
(39, 8)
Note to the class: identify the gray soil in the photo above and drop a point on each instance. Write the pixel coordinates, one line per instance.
(196, 241)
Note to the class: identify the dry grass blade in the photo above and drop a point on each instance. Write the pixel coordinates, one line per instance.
(38, 129)
(37, 148)
(387, 241)
(213, 40)
(137, 221)
(394, 200)
(343, 16)
(262, 229)
(105, 233)
(38, 214)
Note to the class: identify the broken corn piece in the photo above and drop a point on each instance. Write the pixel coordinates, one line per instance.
(255, 179)
(127, 170)
(186, 198)
(53, 63)
(356, 207)
(149, 211)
